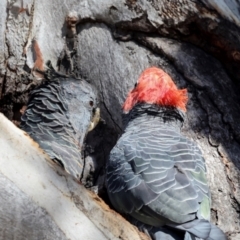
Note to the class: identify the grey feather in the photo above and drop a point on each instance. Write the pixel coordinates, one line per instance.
(58, 115)
(158, 176)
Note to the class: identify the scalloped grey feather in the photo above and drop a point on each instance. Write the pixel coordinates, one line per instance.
(158, 176)
(58, 117)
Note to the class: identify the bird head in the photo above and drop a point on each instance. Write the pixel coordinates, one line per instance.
(154, 86)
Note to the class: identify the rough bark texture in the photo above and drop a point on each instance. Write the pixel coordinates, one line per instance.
(45, 202)
(196, 42)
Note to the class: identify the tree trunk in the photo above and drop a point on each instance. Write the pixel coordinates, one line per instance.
(196, 42)
(41, 201)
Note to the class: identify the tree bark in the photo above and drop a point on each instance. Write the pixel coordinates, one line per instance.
(41, 201)
(195, 42)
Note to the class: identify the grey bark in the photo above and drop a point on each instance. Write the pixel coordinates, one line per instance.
(196, 42)
(41, 201)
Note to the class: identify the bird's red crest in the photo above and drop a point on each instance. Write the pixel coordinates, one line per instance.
(156, 87)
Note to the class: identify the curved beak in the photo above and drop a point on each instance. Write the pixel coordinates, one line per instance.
(95, 119)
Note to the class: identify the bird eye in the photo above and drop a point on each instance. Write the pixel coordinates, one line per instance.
(91, 103)
(135, 84)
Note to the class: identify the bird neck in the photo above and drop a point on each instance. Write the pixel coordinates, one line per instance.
(143, 113)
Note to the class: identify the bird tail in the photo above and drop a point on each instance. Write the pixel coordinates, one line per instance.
(201, 229)
(189, 236)
(216, 233)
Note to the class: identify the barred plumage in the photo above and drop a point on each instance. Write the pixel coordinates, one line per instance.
(58, 116)
(154, 173)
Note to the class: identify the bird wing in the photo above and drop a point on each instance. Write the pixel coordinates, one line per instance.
(47, 122)
(158, 176)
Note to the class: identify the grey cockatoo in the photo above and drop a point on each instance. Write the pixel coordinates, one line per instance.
(59, 114)
(154, 173)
